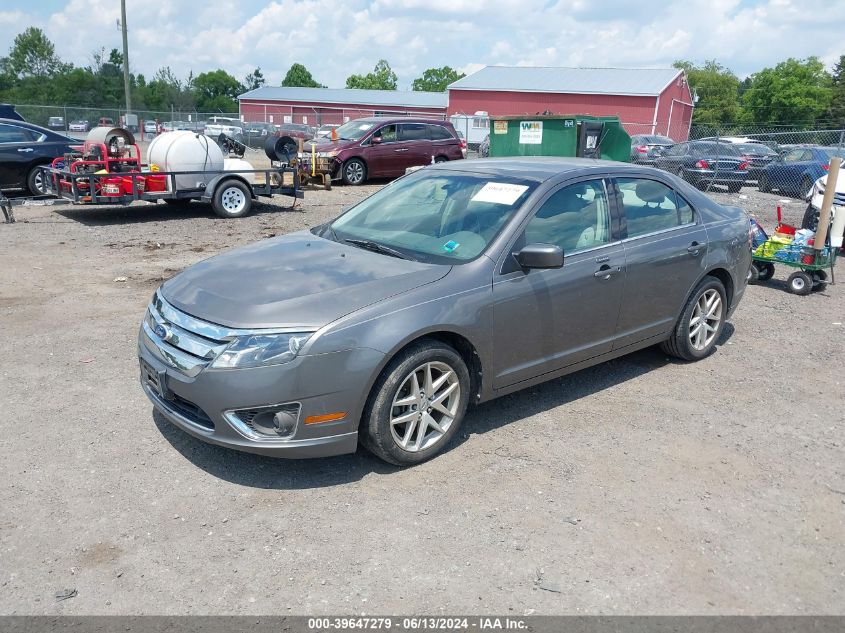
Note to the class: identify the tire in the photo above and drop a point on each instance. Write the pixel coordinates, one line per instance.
(354, 172)
(441, 159)
(35, 181)
(734, 188)
(800, 283)
(765, 271)
(398, 442)
(804, 188)
(753, 274)
(763, 184)
(819, 278)
(688, 341)
(231, 199)
(811, 218)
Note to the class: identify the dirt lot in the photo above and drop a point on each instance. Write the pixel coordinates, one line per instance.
(641, 486)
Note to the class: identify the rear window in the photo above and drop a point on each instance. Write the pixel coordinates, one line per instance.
(439, 133)
(659, 140)
(14, 134)
(755, 148)
(716, 149)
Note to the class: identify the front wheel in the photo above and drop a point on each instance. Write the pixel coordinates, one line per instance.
(765, 271)
(800, 283)
(354, 172)
(700, 323)
(763, 184)
(417, 405)
(231, 199)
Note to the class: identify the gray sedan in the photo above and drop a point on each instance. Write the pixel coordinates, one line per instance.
(451, 286)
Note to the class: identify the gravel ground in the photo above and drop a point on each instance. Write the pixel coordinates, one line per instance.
(641, 486)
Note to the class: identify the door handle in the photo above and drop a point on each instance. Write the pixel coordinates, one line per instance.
(601, 260)
(25, 149)
(401, 150)
(694, 249)
(606, 272)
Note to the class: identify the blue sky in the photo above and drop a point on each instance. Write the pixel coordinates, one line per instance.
(335, 38)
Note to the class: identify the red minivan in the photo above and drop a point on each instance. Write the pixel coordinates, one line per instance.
(382, 148)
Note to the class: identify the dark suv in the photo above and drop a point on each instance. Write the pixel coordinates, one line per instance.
(383, 148)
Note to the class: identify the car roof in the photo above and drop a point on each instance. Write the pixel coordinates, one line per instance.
(536, 168)
(404, 119)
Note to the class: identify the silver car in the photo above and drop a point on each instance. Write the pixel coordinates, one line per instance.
(451, 286)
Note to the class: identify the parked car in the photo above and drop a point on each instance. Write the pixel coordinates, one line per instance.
(463, 141)
(233, 128)
(796, 171)
(297, 131)
(743, 140)
(56, 123)
(705, 163)
(325, 131)
(646, 147)
(7, 111)
(814, 205)
(457, 284)
(105, 121)
(79, 126)
(150, 127)
(24, 148)
(484, 147)
(382, 148)
(757, 156)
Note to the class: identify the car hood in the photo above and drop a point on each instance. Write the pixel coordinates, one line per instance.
(328, 145)
(291, 281)
(840, 183)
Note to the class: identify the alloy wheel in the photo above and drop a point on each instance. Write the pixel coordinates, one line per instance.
(354, 172)
(425, 406)
(706, 318)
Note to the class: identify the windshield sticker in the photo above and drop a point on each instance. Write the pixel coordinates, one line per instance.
(451, 246)
(366, 126)
(499, 193)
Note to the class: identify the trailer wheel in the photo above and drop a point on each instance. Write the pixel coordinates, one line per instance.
(232, 199)
(800, 283)
(765, 271)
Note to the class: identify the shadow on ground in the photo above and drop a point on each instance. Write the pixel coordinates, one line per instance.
(257, 471)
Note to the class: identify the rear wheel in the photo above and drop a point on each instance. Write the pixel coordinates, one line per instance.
(700, 323)
(35, 181)
(753, 274)
(819, 279)
(800, 283)
(441, 159)
(763, 184)
(354, 172)
(232, 199)
(417, 405)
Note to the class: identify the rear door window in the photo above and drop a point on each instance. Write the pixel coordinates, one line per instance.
(651, 206)
(14, 134)
(413, 132)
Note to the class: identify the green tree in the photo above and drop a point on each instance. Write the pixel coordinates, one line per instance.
(837, 101)
(795, 91)
(717, 89)
(436, 79)
(33, 55)
(382, 78)
(254, 80)
(217, 91)
(299, 76)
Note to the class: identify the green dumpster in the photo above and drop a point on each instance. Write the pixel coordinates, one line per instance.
(560, 135)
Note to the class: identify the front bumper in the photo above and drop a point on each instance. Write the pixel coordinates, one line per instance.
(202, 405)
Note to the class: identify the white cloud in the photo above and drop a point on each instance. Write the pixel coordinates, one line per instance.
(335, 39)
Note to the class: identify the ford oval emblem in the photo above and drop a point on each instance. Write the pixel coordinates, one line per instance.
(161, 331)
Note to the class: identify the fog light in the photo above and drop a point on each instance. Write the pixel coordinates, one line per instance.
(266, 423)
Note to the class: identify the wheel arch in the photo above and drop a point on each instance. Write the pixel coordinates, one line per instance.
(725, 277)
(220, 179)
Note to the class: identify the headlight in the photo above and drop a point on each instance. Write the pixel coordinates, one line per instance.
(257, 350)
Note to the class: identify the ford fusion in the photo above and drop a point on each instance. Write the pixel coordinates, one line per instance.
(451, 286)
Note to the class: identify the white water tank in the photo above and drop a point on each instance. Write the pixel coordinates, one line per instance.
(241, 167)
(186, 151)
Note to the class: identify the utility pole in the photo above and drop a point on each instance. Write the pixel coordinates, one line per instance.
(125, 56)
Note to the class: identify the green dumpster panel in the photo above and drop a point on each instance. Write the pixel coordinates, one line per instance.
(555, 135)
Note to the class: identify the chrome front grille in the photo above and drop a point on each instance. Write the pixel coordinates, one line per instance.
(182, 341)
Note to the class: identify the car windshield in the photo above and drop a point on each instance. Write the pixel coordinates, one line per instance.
(438, 218)
(354, 130)
(755, 148)
(716, 149)
(834, 151)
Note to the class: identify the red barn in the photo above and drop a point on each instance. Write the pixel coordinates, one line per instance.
(647, 100)
(316, 106)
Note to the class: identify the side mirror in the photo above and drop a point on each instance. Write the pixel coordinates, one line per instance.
(376, 140)
(539, 256)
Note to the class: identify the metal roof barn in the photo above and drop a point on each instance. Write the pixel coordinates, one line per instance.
(317, 106)
(647, 100)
